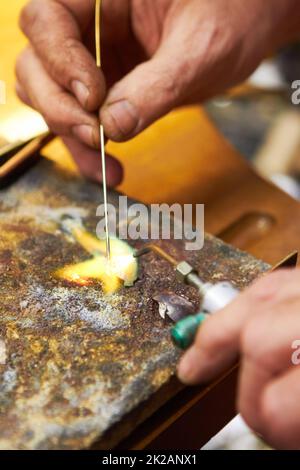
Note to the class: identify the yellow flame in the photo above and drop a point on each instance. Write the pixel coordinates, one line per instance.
(120, 270)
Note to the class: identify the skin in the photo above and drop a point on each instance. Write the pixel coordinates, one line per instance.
(259, 327)
(157, 55)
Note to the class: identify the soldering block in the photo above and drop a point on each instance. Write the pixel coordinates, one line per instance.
(75, 363)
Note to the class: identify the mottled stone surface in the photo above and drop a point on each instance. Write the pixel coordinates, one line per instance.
(76, 362)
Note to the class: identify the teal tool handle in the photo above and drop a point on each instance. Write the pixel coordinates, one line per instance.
(184, 332)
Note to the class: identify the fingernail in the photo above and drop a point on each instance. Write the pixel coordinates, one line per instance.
(120, 119)
(87, 134)
(81, 91)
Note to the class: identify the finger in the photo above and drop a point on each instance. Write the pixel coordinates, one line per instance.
(22, 95)
(268, 338)
(88, 160)
(147, 93)
(252, 381)
(60, 110)
(218, 340)
(54, 30)
(267, 346)
(280, 411)
(216, 344)
(172, 77)
(89, 163)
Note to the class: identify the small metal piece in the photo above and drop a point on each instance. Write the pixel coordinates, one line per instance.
(194, 280)
(184, 332)
(173, 306)
(183, 270)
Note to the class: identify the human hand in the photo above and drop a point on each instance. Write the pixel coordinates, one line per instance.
(157, 55)
(261, 326)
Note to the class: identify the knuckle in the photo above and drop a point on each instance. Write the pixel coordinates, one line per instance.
(172, 84)
(29, 15)
(68, 64)
(164, 83)
(56, 68)
(171, 88)
(63, 70)
(72, 45)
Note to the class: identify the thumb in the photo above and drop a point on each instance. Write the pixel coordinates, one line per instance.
(147, 93)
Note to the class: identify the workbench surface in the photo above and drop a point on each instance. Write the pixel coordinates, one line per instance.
(77, 362)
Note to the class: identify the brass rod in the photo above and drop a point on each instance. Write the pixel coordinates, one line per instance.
(156, 249)
(98, 33)
(102, 139)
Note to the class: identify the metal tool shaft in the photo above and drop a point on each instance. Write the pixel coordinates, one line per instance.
(103, 159)
(102, 139)
(148, 248)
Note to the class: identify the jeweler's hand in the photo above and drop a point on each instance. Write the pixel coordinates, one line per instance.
(262, 326)
(157, 54)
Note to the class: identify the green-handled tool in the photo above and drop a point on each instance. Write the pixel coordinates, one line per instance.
(184, 332)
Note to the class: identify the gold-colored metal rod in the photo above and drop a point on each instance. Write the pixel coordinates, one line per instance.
(98, 32)
(102, 139)
(156, 249)
(103, 160)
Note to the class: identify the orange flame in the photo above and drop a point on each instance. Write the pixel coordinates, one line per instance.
(121, 270)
